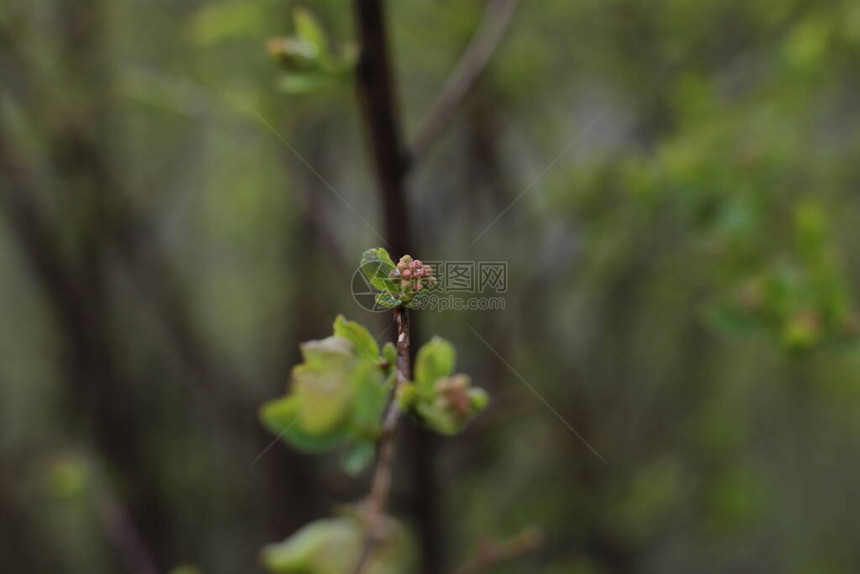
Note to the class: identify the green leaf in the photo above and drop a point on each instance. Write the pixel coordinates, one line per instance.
(358, 457)
(327, 401)
(326, 354)
(437, 418)
(387, 301)
(365, 344)
(317, 415)
(479, 399)
(334, 546)
(407, 396)
(435, 360)
(311, 549)
(310, 30)
(282, 416)
(377, 265)
(448, 406)
(369, 401)
(389, 353)
(338, 392)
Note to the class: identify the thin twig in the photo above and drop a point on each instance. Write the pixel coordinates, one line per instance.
(377, 501)
(492, 553)
(497, 16)
(124, 535)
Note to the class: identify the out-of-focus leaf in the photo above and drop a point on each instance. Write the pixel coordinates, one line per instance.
(358, 457)
(453, 403)
(369, 400)
(389, 353)
(283, 416)
(435, 360)
(310, 30)
(338, 392)
(295, 55)
(329, 546)
(365, 344)
(324, 354)
(333, 546)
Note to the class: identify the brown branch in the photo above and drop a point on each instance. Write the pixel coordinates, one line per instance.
(375, 86)
(474, 61)
(493, 553)
(376, 94)
(377, 501)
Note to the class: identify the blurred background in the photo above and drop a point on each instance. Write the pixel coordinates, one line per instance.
(682, 258)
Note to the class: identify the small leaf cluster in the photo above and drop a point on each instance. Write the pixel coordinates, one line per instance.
(305, 57)
(339, 393)
(399, 283)
(341, 389)
(441, 400)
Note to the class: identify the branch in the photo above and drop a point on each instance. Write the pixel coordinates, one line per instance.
(465, 76)
(124, 535)
(376, 95)
(492, 553)
(380, 489)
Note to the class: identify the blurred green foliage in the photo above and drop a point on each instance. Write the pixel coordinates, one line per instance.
(682, 281)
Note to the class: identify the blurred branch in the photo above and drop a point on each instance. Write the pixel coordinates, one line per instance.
(474, 61)
(493, 553)
(377, 97)
(124, 535)
(381, 485)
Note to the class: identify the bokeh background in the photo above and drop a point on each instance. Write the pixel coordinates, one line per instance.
(682, 281)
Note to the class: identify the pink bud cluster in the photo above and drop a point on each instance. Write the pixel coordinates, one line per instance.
(412, 274)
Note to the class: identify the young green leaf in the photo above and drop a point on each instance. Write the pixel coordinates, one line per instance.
(310, 549)
(453, 404)
(387, 301)
(376, 265)
(358, 457)
(282, 416)
(334, 545)
(295, 55)
(326, 354)
(389, 353)
(338, 393)
(370, 396)
(435, 360)
(310, 30)
(365, 344)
